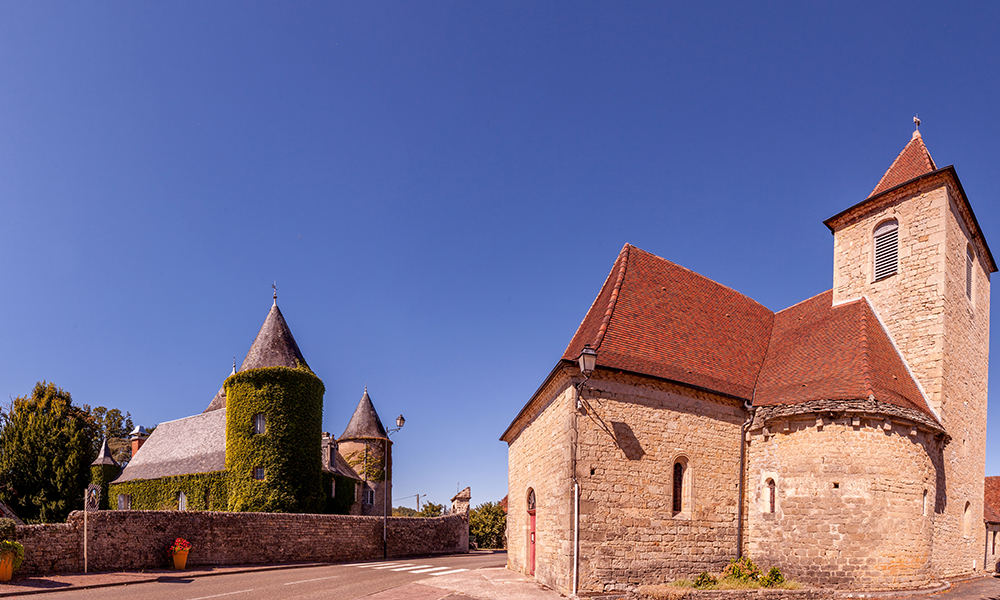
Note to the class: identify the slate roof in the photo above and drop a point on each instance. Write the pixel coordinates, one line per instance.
(274, 346)
(911, 163)
(818, 351)
(991, 500)
(104, 456)
(657, 318)
(364, 423)
(190, 445)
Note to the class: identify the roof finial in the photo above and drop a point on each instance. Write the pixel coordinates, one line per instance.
(916, 124)
(234, 366)
(916, 121)
(366, 387)
(274, 286)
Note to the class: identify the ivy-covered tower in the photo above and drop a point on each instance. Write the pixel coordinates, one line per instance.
(274, 419)
(367, 449)
(103, 470)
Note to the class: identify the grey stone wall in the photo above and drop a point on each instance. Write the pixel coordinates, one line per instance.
(132, 540)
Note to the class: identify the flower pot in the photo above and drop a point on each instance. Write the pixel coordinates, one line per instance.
(6, 567)
(180, 559)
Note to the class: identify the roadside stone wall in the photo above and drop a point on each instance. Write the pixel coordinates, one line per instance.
(668, 592)
(132, 540)
(854, 501)
(630, 437)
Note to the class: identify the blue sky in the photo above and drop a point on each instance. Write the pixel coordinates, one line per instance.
(439, 188)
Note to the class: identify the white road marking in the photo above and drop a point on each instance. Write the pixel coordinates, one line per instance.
(308, 580)
(431, 569)
(410, 568)
(381, 564)
(219, 595)
(448, 572)
(392, 566)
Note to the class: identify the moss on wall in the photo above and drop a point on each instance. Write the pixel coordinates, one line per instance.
(203, 491)
(289, 450)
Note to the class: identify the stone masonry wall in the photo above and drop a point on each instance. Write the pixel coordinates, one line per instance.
(943, 336)
(539, 459)
(960, 537)
(854, 501)
(632, 434)
(131, 540)
(991, 557)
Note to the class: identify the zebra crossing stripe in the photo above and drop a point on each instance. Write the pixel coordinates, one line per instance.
(429, 569)
(447, 572)
(381, 564)
(410, 568)
(390, 566)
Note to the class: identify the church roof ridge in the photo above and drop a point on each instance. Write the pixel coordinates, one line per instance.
(364, 423)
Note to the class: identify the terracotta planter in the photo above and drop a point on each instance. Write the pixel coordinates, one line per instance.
(6, 567)
(180, 559)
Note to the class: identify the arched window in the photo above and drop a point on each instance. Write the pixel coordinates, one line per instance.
(531, 499)
(886, 249)
(770, 495)
(924, 508)
(182, 501)
(679, 468)
(967, 520)
(259, 423)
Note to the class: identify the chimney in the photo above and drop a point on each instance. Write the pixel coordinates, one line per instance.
(138, 437)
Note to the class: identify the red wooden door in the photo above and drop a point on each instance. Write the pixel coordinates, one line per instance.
(531, 542)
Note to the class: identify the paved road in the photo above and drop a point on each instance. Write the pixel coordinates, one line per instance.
(333, 582)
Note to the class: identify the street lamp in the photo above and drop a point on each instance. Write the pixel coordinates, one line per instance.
(385, 486)
(588, 362)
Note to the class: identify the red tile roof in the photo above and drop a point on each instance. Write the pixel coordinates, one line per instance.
(657, 318)
(823, 352)
(991, 500)
(653, 317)
(911, 163)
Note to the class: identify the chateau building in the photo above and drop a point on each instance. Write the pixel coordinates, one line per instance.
(841, 440)
(258, 446)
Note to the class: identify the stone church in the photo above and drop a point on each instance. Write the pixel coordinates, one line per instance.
(841, 439)
(262, 450)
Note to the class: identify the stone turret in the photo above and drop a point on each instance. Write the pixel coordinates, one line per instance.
(367, 449)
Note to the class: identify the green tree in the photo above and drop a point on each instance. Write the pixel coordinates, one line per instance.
(46, 447)
(431, 510)
(113, 426)
(488, 522)
(404, 511)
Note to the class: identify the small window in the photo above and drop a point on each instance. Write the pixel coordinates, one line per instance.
(967, 520)
(182, 501)
(923, 509)
(970, 260)
(124, 502)
(886, 249)
(258, 473)
(678, 487)
(369, 496)
(531, 500)
(259, 423)
(333, 488)
(770, 495)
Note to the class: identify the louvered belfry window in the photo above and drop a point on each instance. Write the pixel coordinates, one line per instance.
(886, 249)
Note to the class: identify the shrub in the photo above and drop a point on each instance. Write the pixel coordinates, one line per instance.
(773, 578)
(7, 528)
(705, 580)
(742, 569)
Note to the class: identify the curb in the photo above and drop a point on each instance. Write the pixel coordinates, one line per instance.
(926, 591)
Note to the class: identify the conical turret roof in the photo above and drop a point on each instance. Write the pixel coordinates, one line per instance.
(274, 346)
(104, 457)
(365, 422)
